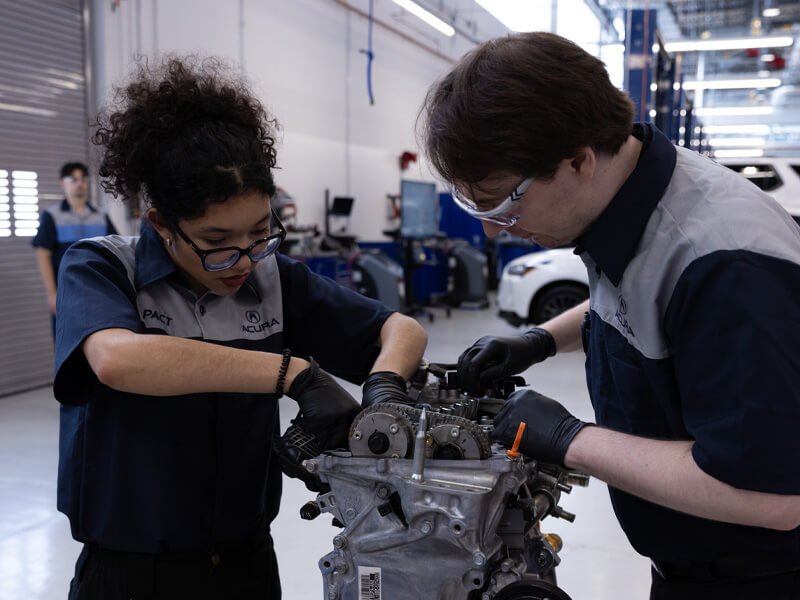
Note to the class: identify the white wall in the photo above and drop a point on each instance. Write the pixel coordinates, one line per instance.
(303, 58)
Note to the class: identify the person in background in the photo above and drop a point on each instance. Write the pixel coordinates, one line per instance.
(173, 348)
(691, 331)
(61, 225)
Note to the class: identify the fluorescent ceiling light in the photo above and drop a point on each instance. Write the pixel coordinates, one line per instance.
(732, 84)
(736, 142)
(733, 111)
(771, 12)
(520, 16)
(431, 19)
(736, 129)
(729, 44)
(744, 153)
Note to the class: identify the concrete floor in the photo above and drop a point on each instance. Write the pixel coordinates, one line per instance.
(37, 554)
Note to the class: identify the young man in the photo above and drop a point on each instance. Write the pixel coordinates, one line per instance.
(692, 325)
(61, 225)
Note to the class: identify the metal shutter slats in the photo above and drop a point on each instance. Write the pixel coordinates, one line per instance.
(42, 76)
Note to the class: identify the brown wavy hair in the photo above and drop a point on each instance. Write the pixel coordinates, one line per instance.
(521, 104)
(184, 133)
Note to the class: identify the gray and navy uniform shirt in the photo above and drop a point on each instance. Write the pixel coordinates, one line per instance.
(693, 334)
(60, 227)
(193, 472)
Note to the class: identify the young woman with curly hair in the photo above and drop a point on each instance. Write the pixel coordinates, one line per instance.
(173, 348)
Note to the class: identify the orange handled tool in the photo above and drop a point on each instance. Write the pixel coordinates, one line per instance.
(514, 452)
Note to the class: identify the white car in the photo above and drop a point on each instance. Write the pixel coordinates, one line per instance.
(778, 176)
(538, 286)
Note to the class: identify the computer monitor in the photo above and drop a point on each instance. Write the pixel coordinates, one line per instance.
(337, 218)
(419, 209)
(342, 205)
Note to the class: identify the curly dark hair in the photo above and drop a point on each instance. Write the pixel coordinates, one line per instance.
(521, 103)
(182, 134)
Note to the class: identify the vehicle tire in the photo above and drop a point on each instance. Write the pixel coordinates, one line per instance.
(556, 299)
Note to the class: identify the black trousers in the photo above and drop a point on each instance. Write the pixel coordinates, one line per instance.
(782, 586)
(247, 572)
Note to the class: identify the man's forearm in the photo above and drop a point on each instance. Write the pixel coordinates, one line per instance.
(403, 342)
(159, 365)
(665, 473)
(566, 328)
(46, 272)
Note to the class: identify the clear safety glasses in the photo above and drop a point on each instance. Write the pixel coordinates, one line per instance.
(498, 214)
(220, 259)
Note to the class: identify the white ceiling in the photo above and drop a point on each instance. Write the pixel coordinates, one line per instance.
(677, 20)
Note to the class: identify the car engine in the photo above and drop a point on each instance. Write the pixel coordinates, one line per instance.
(428, 506)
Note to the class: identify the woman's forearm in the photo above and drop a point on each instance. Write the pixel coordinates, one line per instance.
(403, 342)
(160, 365)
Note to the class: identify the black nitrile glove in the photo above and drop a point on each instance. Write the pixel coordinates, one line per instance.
(549, 427)
(384, 386)
(327, 409)
(496, 358)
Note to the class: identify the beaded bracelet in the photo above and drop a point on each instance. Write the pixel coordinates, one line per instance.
(287, 355)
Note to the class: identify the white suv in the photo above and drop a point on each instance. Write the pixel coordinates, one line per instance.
(536, 287)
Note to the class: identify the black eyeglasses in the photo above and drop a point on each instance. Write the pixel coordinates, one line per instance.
(224, 258)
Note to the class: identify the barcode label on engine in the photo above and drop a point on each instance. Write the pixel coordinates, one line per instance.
(369, 583)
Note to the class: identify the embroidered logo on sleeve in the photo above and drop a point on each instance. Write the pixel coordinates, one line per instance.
(620, 316)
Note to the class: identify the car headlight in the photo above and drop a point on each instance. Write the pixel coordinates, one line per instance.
(521, 270)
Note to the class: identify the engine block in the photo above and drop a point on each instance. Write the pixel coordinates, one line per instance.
(430, 508)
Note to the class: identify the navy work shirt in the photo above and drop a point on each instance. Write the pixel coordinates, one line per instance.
(194, 472)
(693, 334)
(60, 227)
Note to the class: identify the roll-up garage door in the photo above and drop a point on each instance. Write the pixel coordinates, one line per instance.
(43, 124)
